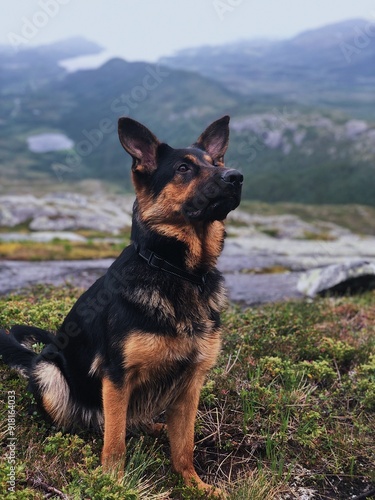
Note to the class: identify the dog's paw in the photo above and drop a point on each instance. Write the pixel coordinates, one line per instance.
(209, 490)
(213, 492)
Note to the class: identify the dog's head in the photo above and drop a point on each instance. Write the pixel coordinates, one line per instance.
(179, 185)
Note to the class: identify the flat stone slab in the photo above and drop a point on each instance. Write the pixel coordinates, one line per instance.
(297, 255)
(15, 275)
(253, 289)
(43, 236)
(349, 276)
(244, 262)
(248, 289)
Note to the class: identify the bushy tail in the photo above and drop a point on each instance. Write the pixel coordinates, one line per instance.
(29, 335)
(14, 354)
(16, 347)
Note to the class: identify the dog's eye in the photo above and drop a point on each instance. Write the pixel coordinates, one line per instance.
(183, 168)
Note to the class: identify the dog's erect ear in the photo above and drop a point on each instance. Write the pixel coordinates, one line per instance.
(215, 138)
(140, 143)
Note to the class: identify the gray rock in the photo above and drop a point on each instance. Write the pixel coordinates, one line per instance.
(283, 226)
(244, 288)
(43, 236)
(253, 289)
(66, 199)
(272, 130)
(345, 277)
(355, 127)
(44, 223)
(16, 275)
(67, 212)
(261, 245)
(297, 255)
(15, 210)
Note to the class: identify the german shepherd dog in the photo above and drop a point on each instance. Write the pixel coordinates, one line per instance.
(141, 339)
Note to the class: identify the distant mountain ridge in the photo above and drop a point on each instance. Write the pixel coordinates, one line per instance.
(302, 117)
(305, 68)
(332, 37)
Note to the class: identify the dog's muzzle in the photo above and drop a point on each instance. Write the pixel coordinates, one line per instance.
(217, 197)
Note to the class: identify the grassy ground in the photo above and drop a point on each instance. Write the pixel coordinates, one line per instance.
(287, 412)
(96, 246)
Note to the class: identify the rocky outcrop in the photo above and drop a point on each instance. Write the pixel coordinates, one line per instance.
(265, 258)
(18, 275)
(72, 212)
(284, 226)
(261, 251)
(43, 237)
(285, 131)
(66, 212)
(348, 277)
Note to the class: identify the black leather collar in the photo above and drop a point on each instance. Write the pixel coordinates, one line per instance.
(157, 262)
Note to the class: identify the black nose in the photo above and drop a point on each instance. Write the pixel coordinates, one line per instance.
(232, 176)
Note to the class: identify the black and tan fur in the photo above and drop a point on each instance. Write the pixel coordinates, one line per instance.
(141, 340)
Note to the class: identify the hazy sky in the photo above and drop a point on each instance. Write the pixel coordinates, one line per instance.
(146, 29)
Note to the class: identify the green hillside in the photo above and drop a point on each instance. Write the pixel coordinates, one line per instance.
(302, 128)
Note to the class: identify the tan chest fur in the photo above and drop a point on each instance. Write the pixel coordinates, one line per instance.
(147, 354)
(160, 368)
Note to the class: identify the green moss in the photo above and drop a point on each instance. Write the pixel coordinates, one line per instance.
(294, 387)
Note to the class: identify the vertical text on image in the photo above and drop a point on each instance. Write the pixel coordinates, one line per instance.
(11, 441)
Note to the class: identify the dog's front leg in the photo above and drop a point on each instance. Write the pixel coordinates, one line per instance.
(115, 406)
(180, 418)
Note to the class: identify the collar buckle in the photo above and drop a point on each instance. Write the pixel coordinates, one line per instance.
(150, 259)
